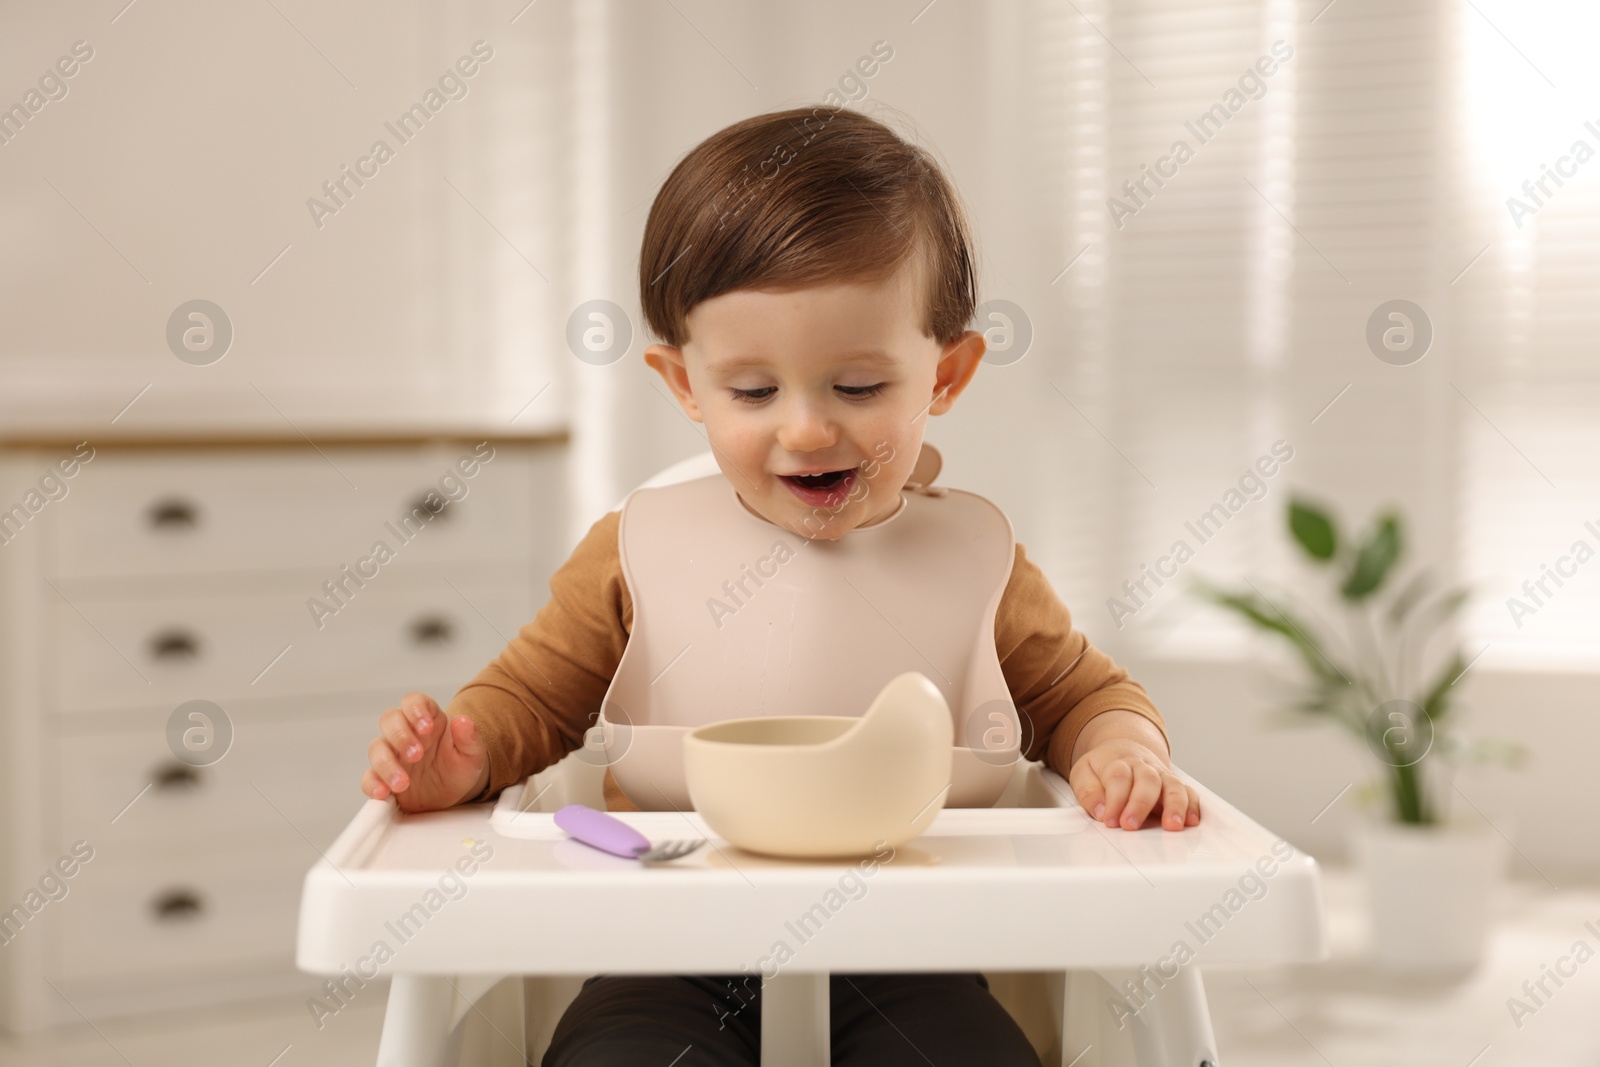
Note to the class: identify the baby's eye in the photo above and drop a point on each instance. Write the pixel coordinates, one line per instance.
(854, 392)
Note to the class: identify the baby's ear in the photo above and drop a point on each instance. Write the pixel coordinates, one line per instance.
(668, 362)
(956, 367)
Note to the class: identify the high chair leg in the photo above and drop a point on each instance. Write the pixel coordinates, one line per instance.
(495, 1025)
(418, 1028)
(428, 1016)
(1168, 1017)
(795, 1025)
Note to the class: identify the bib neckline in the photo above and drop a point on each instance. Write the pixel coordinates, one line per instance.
(756, 515)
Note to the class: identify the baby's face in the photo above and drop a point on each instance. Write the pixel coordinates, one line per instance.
(835, 378)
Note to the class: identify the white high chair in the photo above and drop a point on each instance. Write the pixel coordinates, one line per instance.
(1091, 938)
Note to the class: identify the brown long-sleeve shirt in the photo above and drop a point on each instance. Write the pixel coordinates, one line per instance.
(534, 702)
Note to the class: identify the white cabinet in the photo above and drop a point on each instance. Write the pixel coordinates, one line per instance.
(298, 589)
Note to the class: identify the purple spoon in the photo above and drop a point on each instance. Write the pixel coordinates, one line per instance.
(609, 834)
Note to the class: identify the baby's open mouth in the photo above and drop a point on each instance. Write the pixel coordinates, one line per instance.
(819, 481)
(829, 489)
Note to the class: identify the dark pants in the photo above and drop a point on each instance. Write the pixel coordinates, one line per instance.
(878, 1020)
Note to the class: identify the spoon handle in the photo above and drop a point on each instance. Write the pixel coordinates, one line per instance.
(602, 831)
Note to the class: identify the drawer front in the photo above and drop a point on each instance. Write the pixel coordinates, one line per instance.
(156, 513)
(279, 773)
(159, 915)
(392, 635)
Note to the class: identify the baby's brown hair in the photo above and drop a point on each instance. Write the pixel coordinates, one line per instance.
(806, 196)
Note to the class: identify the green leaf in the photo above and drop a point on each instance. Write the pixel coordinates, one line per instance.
(1436, 704)
(1269, 617)
(1376, 557)
(1409, 596)
(1314, 529)
(1321, 702)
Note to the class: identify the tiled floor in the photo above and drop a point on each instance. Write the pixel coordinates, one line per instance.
(1337, 1014)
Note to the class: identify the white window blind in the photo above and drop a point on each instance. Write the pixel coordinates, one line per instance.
(1528, 322)
(1228, 310)
(1167, 377)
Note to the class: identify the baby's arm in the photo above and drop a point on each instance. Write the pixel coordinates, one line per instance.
(1121, 773)
(528, 707)
(1091, 723)
(428, 761)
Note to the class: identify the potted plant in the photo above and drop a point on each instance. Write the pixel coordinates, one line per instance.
(1429, 874)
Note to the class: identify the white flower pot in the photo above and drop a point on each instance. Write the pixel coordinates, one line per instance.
(1429, 893)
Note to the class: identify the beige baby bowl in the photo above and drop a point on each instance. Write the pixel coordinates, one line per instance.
(826, 785)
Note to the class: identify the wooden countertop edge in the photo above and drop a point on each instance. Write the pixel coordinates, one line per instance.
(212, 439)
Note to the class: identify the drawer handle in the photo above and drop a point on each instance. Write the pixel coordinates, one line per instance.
(175, 776)
(177, 905)
(173, 645)
(422, 504)
(174, 514)
(432, 630)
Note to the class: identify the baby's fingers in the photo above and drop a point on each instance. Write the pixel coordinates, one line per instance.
(1142, 797)
(1174, 803)
(413, 727)
(1087, 788)
(373, 786)
(387, 768)
(398, 727)
(423, 715)
(1117, 777)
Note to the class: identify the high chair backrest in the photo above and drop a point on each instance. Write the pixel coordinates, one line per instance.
(696, 466)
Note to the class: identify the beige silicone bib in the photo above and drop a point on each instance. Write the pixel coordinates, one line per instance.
(734, 617)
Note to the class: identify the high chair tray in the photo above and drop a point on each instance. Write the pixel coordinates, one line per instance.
(499, 889)
(512, 820)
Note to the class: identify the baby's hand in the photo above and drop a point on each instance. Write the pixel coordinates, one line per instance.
(425, 760)
(1122, 781)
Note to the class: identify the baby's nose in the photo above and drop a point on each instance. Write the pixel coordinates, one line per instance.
(807, 429)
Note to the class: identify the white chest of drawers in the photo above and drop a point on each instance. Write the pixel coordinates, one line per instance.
(156, 575)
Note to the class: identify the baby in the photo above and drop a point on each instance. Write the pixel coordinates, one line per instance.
(810, 276)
